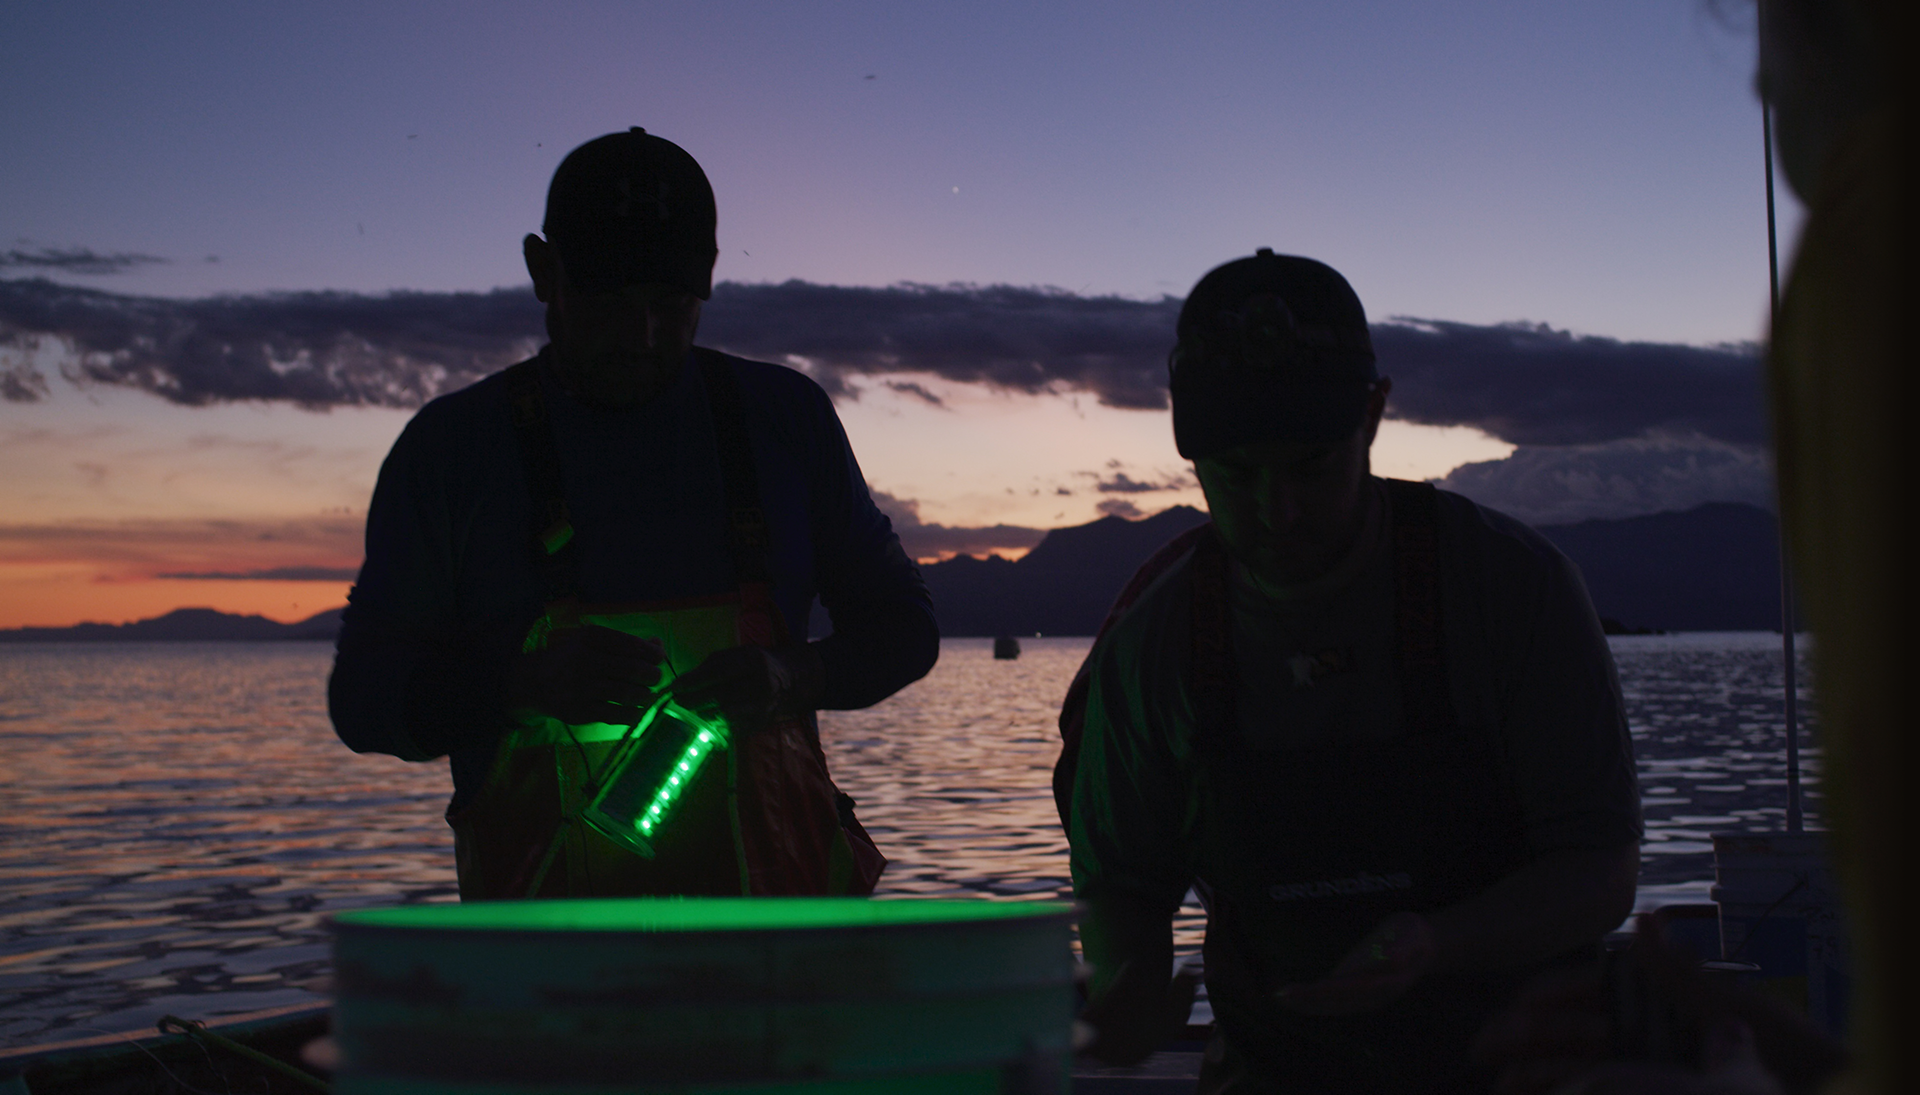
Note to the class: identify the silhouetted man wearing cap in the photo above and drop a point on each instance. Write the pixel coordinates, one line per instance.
(1375, 726)
(554, 548)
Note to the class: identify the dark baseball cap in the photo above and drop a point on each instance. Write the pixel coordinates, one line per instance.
(631, 207)
(1272, 348)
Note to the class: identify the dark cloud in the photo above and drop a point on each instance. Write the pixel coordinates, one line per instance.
(312, 349)
(1121, 507)
(918, 391)
(327, 548)
(1027, 340)
(20, 382)
(933, 541)
(76, 260)
(1122, 483)
(1557, 485)
(272, 574)
(1524, 383)
(1529, 385)
(1532, 385)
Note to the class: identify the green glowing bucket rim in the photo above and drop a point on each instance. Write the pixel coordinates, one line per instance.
(690, 915)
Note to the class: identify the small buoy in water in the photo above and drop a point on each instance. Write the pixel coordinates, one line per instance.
(1006, 648)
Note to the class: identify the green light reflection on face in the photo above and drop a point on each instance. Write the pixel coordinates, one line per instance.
(697, 914)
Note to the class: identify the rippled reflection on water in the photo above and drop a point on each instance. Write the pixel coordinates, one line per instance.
(177, 819)
(1706, 711)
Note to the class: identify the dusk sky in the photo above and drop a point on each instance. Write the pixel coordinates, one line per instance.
(965, 220)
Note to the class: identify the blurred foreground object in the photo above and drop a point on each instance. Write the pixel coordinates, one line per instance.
(1841, 76)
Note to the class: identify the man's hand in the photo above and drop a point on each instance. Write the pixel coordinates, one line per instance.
(1139, 1012)
(1134, 1001)
(749, 685)
(588, 674)
(1394, 955)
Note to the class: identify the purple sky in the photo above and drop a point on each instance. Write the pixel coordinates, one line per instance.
(1595, 167)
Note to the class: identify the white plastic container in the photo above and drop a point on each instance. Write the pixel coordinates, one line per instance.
(1780, 908)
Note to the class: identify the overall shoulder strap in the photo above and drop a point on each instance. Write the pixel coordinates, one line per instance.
(747, 532)
(1419, 626)
(1210, 633)
(551, 535)
(746, 521)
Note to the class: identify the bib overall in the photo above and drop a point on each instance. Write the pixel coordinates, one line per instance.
(1304, 850)
(761, 817)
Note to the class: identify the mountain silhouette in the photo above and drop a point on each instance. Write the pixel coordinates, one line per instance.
(186, 625)
(1711, 568)
(1062, 587)
(1715, 567)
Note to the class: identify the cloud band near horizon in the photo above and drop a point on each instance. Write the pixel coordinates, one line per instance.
(1525, 384)
(194, 548)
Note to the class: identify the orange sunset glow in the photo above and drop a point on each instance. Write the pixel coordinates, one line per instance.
(120, 506)
(115, 572)
(62, 601)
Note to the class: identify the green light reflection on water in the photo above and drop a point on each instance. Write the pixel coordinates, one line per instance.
(696, 914)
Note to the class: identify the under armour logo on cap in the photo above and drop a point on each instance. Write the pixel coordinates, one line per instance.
(629, 208)
(1270, 347)
(624, 208)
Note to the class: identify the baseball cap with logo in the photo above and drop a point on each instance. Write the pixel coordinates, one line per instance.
(1272, 348)
(632, 207)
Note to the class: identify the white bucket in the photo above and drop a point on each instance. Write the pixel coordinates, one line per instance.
(748, 996)
(1780, 909)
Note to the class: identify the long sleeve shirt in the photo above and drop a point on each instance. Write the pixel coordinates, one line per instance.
(450, 585)
(1528, 669)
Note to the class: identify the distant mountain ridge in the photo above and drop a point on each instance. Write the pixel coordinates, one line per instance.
(186, 625)
(1715, 567)
(1064, 586)
(1711, 568)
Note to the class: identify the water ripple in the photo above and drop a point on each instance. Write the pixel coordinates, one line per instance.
(178, 819)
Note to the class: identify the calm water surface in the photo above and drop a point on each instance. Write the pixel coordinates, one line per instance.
(177, 820)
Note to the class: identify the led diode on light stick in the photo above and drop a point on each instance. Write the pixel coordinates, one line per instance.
(649, 771)
(633, 796)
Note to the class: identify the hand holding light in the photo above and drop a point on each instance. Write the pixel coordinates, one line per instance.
(746, 686)
(587, 674)
(1379, 968)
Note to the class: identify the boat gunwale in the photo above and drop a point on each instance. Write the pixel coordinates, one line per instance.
(20, 1059)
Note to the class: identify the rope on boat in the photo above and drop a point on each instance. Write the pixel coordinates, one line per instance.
(197, 1031)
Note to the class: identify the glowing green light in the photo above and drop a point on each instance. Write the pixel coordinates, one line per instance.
(647, 775)
(685, 914)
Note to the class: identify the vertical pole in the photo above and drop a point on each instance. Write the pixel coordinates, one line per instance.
(1789, 664)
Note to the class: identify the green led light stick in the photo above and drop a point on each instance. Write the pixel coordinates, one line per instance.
(649, 770)
(651, 766)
